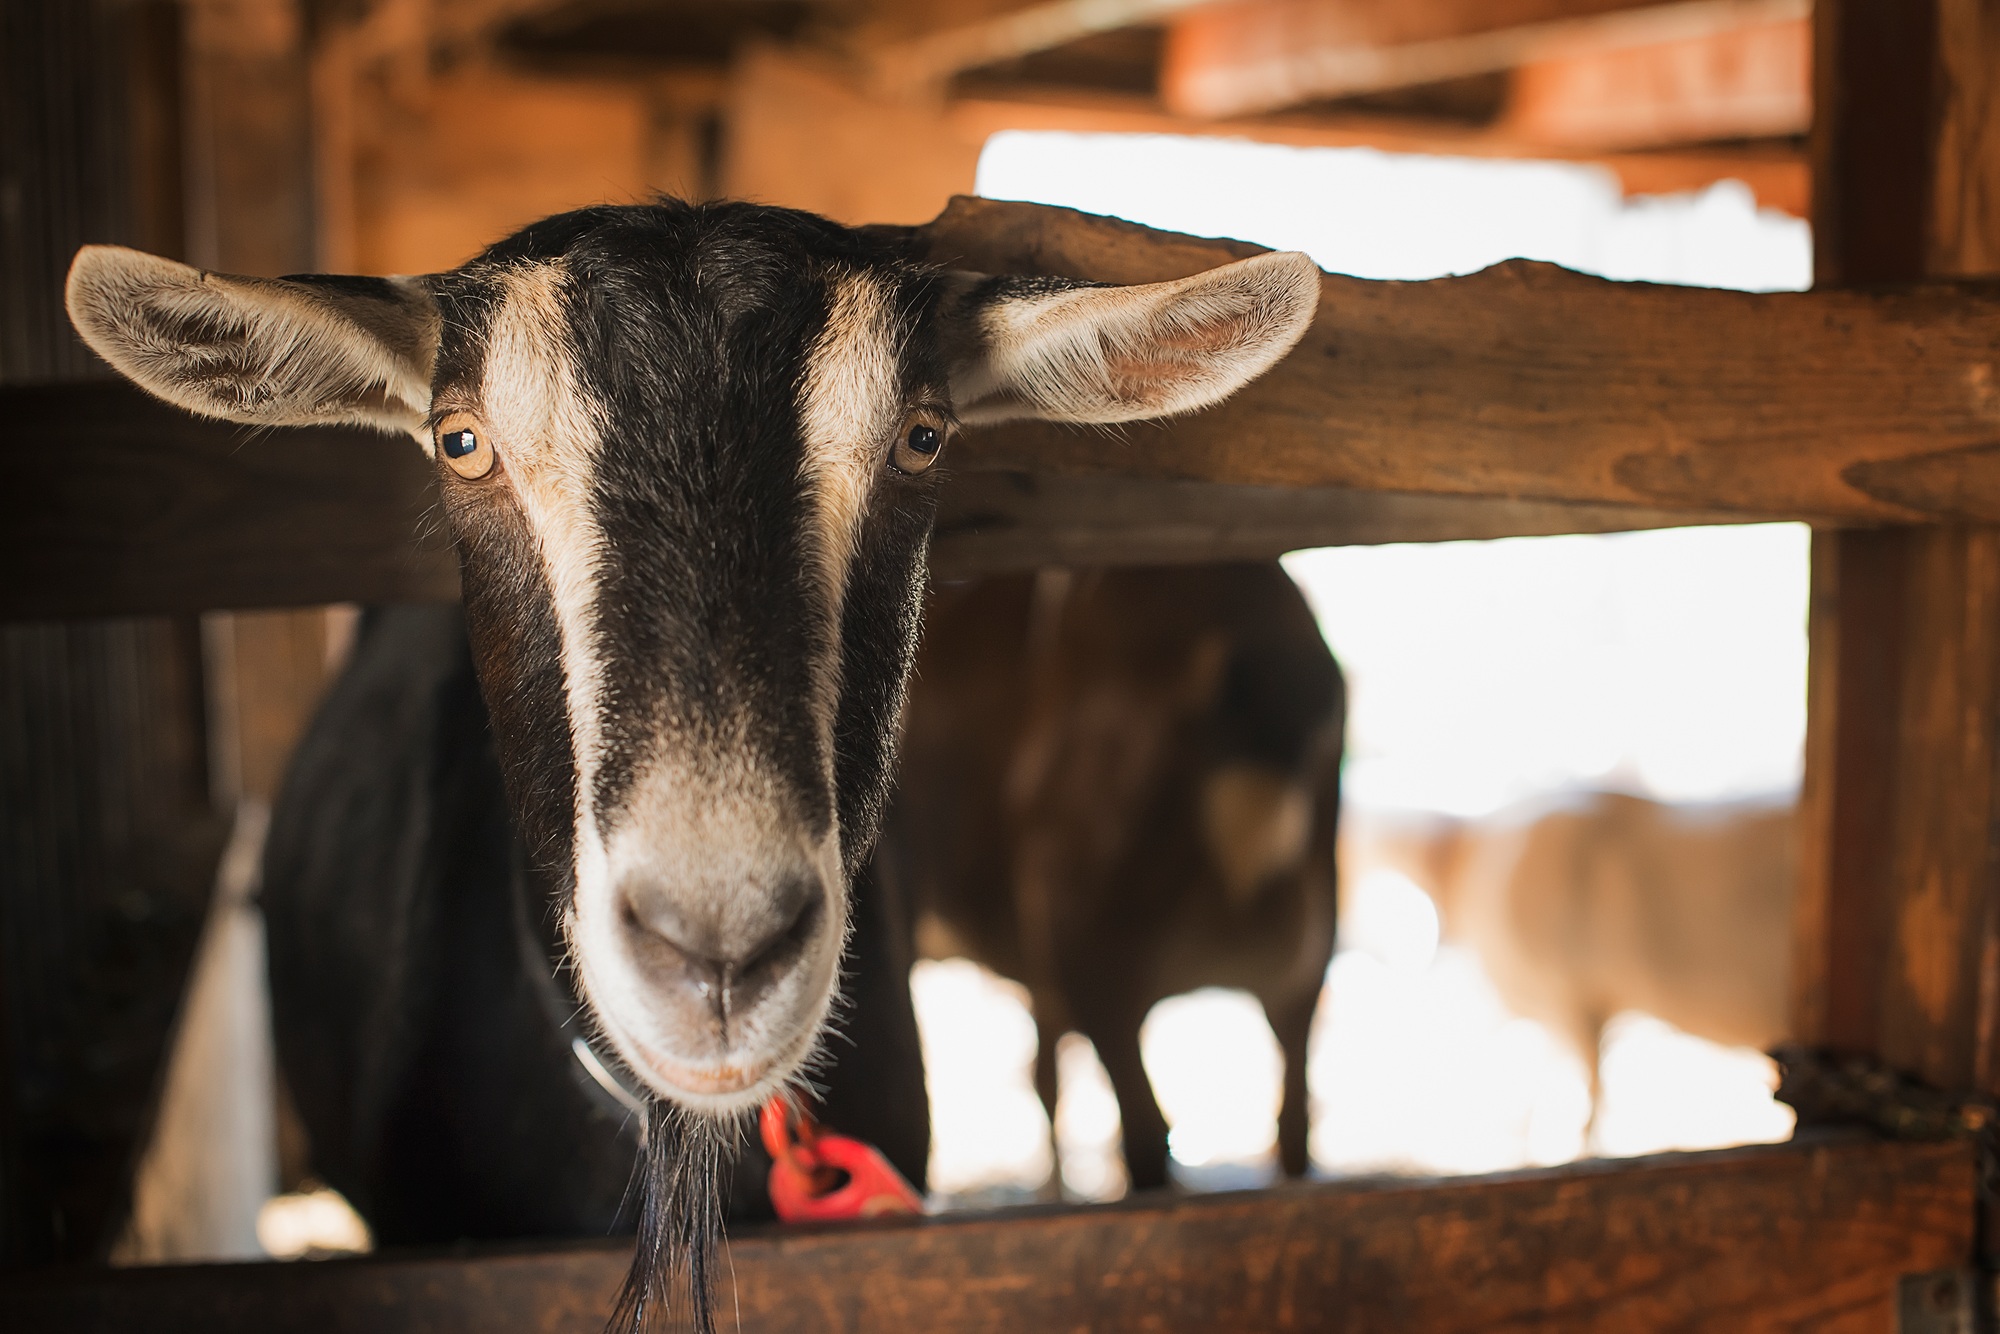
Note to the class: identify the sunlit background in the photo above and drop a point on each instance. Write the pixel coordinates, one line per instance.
(1483, 676)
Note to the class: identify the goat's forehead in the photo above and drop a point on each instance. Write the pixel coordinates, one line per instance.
(693, 327)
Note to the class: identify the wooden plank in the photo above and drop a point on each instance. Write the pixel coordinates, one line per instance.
(1899, 901)
(995, 521)
(1263, 55)
(107, 840)
(119, 504)
(801, 133)
(1747, 82)
(1527, 381)
(1527, 397)
(1781, 1238)
(140, 508)
(923, 62)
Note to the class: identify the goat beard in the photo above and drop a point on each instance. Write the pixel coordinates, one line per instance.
(679, 1182)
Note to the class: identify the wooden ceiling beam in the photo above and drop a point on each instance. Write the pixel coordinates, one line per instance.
(926, 61)
(1264, 55)
(1753, 81)
(1777, 176)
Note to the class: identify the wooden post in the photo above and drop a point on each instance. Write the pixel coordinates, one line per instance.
(251, 205)
(1899, 900)
(107, 840)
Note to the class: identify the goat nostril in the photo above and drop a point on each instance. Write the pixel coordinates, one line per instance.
(724, 970)
(798, 919)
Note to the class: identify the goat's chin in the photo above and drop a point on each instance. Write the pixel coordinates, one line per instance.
(725, 1088)
(652, 1037)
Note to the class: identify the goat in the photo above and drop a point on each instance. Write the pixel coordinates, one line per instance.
(1119, 785)
(686, 455)
(1587, 905)
(422, 1022)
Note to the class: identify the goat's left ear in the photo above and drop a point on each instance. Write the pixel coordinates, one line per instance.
(264, 351)
(1084, 352)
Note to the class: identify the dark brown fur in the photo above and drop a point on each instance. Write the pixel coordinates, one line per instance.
(1059, 734)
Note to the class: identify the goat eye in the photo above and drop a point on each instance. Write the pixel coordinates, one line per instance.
(921, 440)
(462, 444)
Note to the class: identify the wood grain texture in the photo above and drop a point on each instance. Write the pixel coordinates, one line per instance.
(1257, 55)
(1788, 1238)
(1527, 381)
(118, 504)
(1898, 916)
(108, 843)
(995, 521)
(139, 508)
(1525, 399)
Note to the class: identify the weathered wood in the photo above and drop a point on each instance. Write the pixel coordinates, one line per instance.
(1783, 1238)
(121, 504)
(1752, 81)
(140, 508)
(1527, 381)
(1899, 900)
(992, 521)
(1259, 55)
(107, 840)
(1525, 399)
(802, 133)
(251, 190)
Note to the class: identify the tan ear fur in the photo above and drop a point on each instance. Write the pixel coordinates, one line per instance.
(263, 351)
(1117, 354)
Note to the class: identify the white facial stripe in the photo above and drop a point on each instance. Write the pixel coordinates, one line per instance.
(851, 405)
(548, 435)
(701, 822)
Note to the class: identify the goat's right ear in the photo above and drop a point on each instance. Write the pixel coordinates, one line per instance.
(306, 351)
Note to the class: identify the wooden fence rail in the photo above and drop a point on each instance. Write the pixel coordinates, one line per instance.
(1790, 1237)
(1522, 400)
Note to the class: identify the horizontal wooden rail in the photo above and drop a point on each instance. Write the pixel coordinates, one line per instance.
(119, 505)
(1529, 382)
(1521, 400)
(1783, 1238)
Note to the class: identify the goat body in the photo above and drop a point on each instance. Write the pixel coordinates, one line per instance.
(686, 454)
(1119, 785)
(424, 1024)
(1585, 906)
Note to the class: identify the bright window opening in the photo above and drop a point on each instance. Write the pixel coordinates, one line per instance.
(1484, 677)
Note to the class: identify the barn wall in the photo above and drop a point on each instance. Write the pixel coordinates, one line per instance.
(1899, 907)
(107, 838)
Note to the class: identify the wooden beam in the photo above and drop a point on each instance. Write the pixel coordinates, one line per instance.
(801, 133)
(120, 505)
(1780, 1238)
(1776, 175)
(1263, 55)
(1748, 82)
(1525, 399)
(997, 521)
(143, 509)
(1527, 381)
(924, 62)
(1899, 899)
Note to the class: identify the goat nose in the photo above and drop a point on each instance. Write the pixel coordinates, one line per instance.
(726, 960)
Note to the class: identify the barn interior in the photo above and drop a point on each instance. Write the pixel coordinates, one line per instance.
(1661, 757)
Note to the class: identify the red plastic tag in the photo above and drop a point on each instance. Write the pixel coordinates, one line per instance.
(821, 1178)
